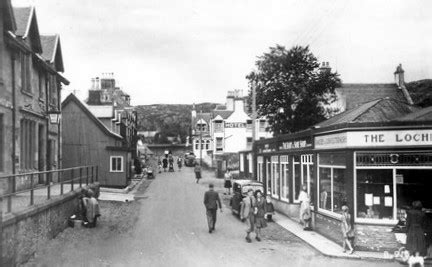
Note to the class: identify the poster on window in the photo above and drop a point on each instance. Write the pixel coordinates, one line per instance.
(368, 199)
(388, 201)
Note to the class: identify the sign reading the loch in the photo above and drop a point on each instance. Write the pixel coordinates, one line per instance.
(375, 138)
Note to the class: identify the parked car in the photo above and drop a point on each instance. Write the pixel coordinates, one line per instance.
(189, 159)
(240, 189)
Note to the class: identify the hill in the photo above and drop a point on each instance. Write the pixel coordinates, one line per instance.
(421, 92)
(169, 120)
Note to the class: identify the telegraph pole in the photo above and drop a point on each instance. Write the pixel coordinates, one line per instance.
(254, 114)
(201, 144)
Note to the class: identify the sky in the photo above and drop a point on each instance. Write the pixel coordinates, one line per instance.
(192, 51)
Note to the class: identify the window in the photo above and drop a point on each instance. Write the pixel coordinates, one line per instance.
(332, 189)
(268, 177)
(248, 142)
(53, 90)
(28, 144)
(116, 164)
(25, 72)
(1, 143)
(207, 145)
(249, 125)
(260, 170)
(241, 162)
(284, 173)
(275, 176)
(42, 85)
(196, 144)
(219, 144)
(262, 125)
(201, 127)
(297, 182)
(219, 127)
(375, 198)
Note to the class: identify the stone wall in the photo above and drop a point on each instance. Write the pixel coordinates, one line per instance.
(328, 227)
(376, 238)
(24, 232)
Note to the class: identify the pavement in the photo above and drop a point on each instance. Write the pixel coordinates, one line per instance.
(168, 227)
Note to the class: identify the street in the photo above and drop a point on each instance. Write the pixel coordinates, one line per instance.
(167, 227)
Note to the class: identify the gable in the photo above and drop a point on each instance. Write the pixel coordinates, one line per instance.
(8, 16)
(27, 27)
(51, 51)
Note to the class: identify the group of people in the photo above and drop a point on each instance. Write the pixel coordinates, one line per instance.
(89, 207)
(167, 163)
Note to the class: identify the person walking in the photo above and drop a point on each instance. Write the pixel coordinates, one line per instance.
(179, 163)
(415, 223)
(197, 171)
(247, 213)
(305, 210)
(228, 183)
(211, 202)
(347, 230)
(270, 211)
(165, 163)
(261, 210)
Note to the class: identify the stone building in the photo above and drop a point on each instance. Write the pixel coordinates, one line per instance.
(30, 90)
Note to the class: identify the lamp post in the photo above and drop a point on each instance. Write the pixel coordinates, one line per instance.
(201, 144)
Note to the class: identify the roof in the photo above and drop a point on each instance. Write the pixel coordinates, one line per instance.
(205, 116)
(25, 18)
(51, 50)
(355, 94)
(8, 15)
(223, 113)
(99, 124)
(379, 110)
(101, 111)
(424, 114)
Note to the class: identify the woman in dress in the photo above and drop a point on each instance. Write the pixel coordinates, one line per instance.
(347, 231)
(228, 184)
(416, 241)
(305, 210)
(197, 171)
(260, 212)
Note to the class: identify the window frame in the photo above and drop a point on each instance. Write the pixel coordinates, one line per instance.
(121, 161)
(284, 177)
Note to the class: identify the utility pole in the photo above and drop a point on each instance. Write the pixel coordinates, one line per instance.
(254, 114)
(201, 143)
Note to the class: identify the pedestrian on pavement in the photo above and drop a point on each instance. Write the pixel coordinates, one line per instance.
(165, 163)
(270, 211)
(416, 219)
(179, 163)
(159, 165)
(247, 213)
(212, 202)
(228, 183)
(347, 230)
(261, 210)
(197, 171)
(305, 210)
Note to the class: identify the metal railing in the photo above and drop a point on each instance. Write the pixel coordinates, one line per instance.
(73, 178)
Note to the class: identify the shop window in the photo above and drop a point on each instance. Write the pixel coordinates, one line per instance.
(332, 189)
(275, 176)
(375, 195)
(325, 198)
(297, 182)
(116, 164)
(284, 173)
(268, 177)
(260, 169)
(306, 173)
(413, 185)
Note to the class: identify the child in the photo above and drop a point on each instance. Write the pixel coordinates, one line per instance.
(269, 209)
(416, 260)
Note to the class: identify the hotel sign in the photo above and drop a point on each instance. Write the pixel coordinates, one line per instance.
(375, 139)
(235, 125)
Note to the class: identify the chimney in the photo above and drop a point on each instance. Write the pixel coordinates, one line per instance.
(399, 76)
(93, 83)
(325, 67)
(230, 100)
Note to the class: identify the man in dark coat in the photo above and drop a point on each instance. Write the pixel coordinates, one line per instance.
(211, 202)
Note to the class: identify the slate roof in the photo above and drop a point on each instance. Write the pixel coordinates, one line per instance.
(223, 113)
(22, 16)
(48, 47)
(9, 18)
(101, 111)
(355, 94)
(424, 114)
(379, 110)
(99, 124)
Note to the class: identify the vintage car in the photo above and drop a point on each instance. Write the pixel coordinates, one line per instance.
(240, 189)
(189, 159)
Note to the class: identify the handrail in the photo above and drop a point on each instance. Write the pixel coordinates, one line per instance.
(88, 173)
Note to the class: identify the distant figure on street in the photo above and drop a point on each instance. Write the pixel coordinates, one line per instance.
(260, 212)
(415, 223)
(197, 171)
(165, 164)
(305, 210)
(228, 183)
(270, 211)
(159, 165)
(347, 230)
(179, 163)
(171, 163)
(247, 213)
(211, 202)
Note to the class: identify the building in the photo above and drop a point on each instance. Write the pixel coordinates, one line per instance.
(225, 130)
(112, 106)
(30, 91)
(89, 141)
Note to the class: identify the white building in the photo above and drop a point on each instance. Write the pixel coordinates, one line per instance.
(227, 129)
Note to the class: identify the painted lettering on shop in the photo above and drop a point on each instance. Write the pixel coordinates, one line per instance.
(425, 137)
(374, 138)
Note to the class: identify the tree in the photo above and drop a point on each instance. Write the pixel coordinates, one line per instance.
(292, 91)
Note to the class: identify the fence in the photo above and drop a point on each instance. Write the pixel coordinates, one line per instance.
(69, 178)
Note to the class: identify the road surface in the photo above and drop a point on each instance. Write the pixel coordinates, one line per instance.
(170, 229)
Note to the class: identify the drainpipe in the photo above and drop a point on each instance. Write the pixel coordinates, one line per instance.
(13, 113)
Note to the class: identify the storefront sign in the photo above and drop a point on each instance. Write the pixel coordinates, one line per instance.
(375, 139)
(294, 144)
(235, 125)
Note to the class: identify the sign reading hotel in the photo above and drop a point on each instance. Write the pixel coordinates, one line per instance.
(375, 139)
(235, 125)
